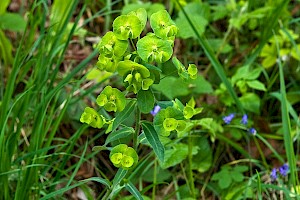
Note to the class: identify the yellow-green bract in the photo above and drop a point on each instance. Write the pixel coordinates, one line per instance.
(162, 24)
(151, 48)
(111, 99)
(123, 156)
(91, 117)
(136, 76)
(110, 45)
(167, 120)
(127, 27)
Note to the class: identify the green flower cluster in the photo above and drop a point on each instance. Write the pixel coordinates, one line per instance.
(111, 99)
(124, 52)
(123, 156)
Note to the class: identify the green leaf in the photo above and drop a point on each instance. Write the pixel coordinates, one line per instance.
(5, 49)
(12, 22)
(250, 102)
(121, 116)
(145, 100)
(185, 31)
(153, 140)
(120, 175)
(175, 155)
(257, 85)
(237, 176)
(183, 88)
(99, 148)
(65, 189)
(3, 6)
(202, 161)
(116, 135)
(132, 189)
(223, 177)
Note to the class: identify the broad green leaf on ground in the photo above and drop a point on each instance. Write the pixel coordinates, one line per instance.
(251, 102)
(199, 14)
(216, 45)
(202, 161)
(176, 155)
(183, 88)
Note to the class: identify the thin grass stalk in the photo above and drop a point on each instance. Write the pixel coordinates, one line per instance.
(287, 135)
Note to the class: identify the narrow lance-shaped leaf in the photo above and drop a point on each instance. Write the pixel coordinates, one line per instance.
(121, 116)
(122, 133)
(153, 140)
(132, 189)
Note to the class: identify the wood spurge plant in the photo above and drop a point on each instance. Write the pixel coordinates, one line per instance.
(137, 60)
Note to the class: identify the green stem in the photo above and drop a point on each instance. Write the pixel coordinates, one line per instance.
(154, 179)
(190, 171)
(108, 16)
(137, 128)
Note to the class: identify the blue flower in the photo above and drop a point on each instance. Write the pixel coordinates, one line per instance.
(252, 131)
(244, 119)
(228, 119)
(283, 170)
(273, 174)
(155, 110)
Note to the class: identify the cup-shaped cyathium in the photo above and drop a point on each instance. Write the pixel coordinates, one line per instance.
(108, 64)
(189, 110)
(151, 48)
(136, 76)
(192, 71)
(111, 99)
(110, 45)
(123, 156)
(91, 117)
(128, 27)
(162, 24)
(168, 120)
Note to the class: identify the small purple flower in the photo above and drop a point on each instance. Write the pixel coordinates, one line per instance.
(155, 110)
(228, 119)
(244, 119)
(252, 131)
(283, 170)
(273, 174)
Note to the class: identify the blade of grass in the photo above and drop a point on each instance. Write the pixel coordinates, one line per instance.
(287, 137)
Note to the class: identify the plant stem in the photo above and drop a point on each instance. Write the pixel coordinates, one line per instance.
(190, 171)
(137, 128)
(154, 179)
(108, 16)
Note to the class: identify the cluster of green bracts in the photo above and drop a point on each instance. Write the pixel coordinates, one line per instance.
(124, 52)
